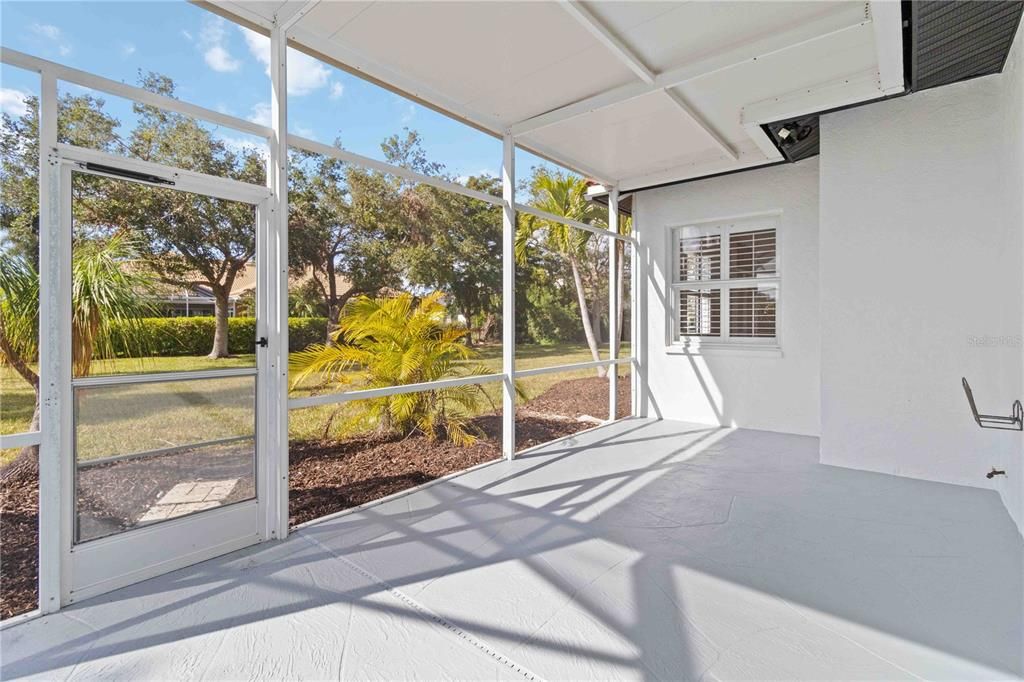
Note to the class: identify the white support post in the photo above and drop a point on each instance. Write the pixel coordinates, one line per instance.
(613, 302)
(508, 296)
(637, 316)
(277, 265)
(55, 507)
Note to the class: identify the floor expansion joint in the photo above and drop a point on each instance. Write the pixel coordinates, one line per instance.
(432, 616)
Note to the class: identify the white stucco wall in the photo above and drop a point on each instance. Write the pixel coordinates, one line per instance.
(738, 389)
(1012, 107)
(921, 252)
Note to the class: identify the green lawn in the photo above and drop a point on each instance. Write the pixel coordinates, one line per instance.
(141, 417)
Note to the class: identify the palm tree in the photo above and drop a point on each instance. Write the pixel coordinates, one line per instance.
(109, 299)
(564, 196)
(395, 341)
(108, 302)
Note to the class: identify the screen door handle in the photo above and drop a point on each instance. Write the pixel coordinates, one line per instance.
(262, 343)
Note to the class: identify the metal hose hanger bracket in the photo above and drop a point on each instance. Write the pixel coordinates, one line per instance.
(1013, 422)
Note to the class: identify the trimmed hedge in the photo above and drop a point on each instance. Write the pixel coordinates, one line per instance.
(167, 336)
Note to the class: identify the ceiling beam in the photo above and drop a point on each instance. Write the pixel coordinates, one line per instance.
(887, 25)
(820, 29)
(704, 125)
(627, 56)
(295, 12)
(614, 45)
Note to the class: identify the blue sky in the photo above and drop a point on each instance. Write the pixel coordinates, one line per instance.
(221, 66)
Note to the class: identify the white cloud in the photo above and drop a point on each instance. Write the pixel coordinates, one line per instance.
(409, 114)
(337, 90)
(305, 74)
(260, 113)
(218, 59)
(12, 102)
(211, 41)
(47, 31)
(54, 35)
(127, 50)
(259, 45)
(241, 146)
(186, 35)
(483, 172)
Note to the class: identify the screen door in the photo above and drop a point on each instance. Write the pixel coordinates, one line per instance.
(165, 355)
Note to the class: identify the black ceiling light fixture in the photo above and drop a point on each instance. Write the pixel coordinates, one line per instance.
(796, 138)
(790, 134)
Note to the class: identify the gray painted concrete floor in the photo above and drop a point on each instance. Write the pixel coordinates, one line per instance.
(645, 549)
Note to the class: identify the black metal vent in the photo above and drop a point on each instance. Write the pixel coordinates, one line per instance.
(953, 40)
(796, 139)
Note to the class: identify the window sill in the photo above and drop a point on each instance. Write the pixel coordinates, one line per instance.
(752, 351)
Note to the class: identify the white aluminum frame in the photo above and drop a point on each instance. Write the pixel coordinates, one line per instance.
(613, 302)
(100, 565)
(508, 296)
(56, 385)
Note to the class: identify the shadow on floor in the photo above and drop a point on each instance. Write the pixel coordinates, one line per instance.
(646, 549)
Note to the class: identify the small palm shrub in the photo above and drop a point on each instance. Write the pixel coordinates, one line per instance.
(396, 341)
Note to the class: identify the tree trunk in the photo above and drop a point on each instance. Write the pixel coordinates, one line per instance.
(333, 305)
(469, 326)
(585, 316)
(333, 313)
(595, 321)
(488, 327)
(220, 316)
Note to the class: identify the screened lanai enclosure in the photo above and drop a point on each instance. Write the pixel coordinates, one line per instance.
(489, 340)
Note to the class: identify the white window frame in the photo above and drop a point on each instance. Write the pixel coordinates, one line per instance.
(724, 342)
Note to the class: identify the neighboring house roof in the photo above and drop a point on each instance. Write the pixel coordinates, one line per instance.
(244, 282)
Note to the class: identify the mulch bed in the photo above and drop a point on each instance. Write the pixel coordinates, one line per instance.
(586, 397)
(325, 476)
(19, 542)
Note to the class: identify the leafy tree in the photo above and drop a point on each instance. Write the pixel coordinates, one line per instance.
(460, 254)
(189, 239)
(395, 341)
(338, 230)
(81, 122)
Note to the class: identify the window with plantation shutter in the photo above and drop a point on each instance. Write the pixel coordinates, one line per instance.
(726, 283)
(700, 257)
(700, 312)
(752, 312)
(752, 254)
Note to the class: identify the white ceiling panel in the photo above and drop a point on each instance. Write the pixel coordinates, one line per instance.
(264, 9)
(721, 96)
(692, 30)
(327, 18)
(471, 50)
(617, 141)
(503, 62)
(578, 76)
